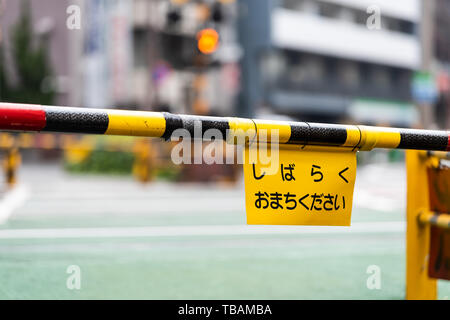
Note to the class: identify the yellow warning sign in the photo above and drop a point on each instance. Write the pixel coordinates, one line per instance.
(295, 186)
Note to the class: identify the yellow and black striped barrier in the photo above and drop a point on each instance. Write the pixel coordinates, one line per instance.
(20, 117)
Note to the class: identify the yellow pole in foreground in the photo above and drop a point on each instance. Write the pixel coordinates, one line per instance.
(418, 285)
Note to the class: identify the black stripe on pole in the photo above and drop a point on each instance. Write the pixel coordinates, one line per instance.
(316, 133)
(299, 133)
(206, 123)
(189, 123)
(423, 140)
(60, 119)
(434, 219)
(173, 122)
(327, 133)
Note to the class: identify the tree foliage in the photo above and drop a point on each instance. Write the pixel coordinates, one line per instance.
(30, 64)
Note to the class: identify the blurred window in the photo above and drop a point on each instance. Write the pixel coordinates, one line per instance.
(295, 69)
(343, 13)
(361, 17)
(380, 77)
(391, 24)
(308, 6)
(364, 69)
(293, 4)
(441, 30)
(397, 25)
(273, 65)
(314, 68)
(298, 74)
(140, 48)
(347, 14)
(406, 27)
(348, 74)
(329, 10)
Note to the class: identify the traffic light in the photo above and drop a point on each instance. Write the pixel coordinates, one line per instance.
(217, 14)
(207, 40)
(173, 17)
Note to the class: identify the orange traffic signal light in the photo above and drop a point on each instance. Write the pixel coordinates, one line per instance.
(207, 40)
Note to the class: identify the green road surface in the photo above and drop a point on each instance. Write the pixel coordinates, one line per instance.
(134, 242)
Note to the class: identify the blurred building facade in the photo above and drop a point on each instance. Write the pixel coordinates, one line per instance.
(441, 62)
(318, 59)
(48, 25)
(136, 53)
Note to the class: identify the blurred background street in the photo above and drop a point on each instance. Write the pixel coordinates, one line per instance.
(169, 241)
(139, 226)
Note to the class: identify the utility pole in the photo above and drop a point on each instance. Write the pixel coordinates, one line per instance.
(427, 44)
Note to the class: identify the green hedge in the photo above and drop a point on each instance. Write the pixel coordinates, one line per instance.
(104, 162)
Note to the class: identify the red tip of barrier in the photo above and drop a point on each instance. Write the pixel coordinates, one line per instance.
(21, 117)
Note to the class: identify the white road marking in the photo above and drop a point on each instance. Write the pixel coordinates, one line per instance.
(204, 230)
(12, 200)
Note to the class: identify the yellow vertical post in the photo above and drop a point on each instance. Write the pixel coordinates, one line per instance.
(10, 164)
(418, 285)
(143, 159)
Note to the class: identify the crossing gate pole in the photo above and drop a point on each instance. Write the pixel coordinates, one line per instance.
(418, 285)
(25, 117)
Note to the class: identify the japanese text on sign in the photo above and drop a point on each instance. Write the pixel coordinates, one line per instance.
(311, 187)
